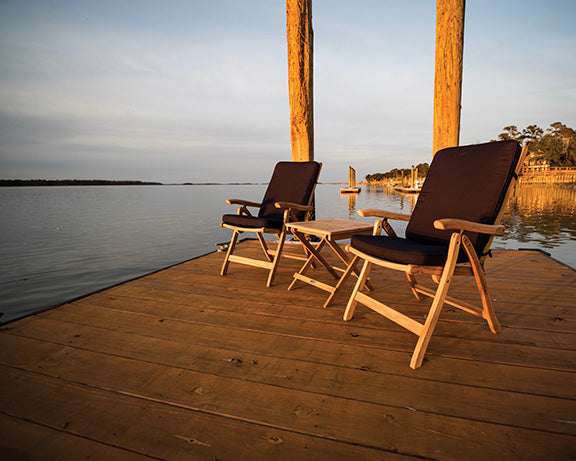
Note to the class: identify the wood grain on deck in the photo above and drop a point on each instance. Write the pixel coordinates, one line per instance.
(185, 364)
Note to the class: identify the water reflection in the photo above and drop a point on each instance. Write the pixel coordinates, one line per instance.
(542, 214)
(410, 199)
(351, 204)
(406, 202)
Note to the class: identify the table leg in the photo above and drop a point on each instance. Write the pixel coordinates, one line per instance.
(315, 254)
(349, 270)
(308, 262)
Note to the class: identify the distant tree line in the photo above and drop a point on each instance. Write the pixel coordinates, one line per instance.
(398, 173)
(556, 146)
(71, 182)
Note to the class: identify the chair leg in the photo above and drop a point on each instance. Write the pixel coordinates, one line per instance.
(231, 247)
(487, 307)
(359, 285)
(345, 275)
(264, 246)
(276, 257)
(413, 283)
(436, 308)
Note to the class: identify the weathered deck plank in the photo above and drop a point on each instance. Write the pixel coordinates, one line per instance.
(184, 364)
(23, 440)
(157, 429)
(191, 348)
(502, 407)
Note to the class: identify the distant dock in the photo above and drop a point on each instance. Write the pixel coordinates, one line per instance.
(547, 175)
(407, 190)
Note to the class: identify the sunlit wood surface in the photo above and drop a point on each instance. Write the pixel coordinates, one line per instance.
(185, 364)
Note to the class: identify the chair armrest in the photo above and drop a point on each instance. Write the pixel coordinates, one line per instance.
(293, 206)
(235, 201)
(369, 212)
(463, 225)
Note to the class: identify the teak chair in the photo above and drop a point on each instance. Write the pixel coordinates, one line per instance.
(288, 198)
(449, 233)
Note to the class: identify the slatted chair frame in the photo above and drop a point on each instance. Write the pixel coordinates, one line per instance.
(443, 275)
(290, 212)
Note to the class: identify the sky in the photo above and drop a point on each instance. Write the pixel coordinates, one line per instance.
(197, 91)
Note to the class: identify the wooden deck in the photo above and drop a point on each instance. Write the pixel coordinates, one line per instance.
(185, 364)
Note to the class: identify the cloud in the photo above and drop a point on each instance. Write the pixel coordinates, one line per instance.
(192, 91)
(91, 94)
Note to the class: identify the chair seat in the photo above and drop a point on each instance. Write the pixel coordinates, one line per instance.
(253, 222)
(400, 250)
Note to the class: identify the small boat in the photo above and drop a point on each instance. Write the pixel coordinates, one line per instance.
(351, 189)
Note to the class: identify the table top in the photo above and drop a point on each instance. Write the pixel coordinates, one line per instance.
(331, 228)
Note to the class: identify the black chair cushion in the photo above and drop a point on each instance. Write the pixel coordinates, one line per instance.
(253, 222)
(466, 182)
(400, 250)
(291, 182)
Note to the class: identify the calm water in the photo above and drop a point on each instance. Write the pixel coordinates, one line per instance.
(59, 243)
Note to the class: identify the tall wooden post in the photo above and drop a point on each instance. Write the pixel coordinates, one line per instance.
(300, 38)
(448, 74)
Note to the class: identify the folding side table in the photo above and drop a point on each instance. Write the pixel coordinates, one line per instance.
(330, 230)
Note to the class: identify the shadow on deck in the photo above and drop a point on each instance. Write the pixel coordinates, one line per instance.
(185, 364)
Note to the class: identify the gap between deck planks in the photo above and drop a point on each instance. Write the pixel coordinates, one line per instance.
(250, 373)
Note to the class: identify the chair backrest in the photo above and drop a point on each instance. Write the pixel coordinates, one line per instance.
(467, 182)
(291, 182)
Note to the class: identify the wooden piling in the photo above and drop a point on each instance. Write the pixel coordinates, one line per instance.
(300, 51)
(448, 73)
